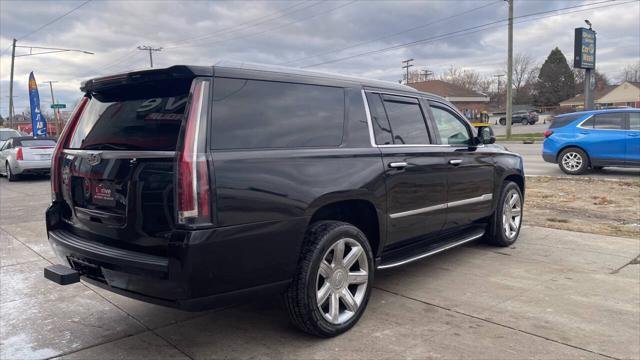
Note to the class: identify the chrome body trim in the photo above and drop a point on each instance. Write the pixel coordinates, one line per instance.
(433, 252)
(478, 199)
(418, 211)
(120, 154)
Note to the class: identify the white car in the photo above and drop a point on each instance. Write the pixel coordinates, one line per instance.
(6, 134)
(26, 155)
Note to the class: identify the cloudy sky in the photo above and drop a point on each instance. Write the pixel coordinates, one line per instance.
(364, 38)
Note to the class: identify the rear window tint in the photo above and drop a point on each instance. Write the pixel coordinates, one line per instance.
(144, 117)
(264, 114)
(634, 121)
(31, 143)
(560, 121)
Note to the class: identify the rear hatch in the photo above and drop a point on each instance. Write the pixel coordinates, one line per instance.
(117, 169)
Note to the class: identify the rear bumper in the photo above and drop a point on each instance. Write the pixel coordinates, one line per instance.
(37, 166)
(205, 268)
(549, 157)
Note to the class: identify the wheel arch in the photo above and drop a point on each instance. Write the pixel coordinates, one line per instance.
(360, 212)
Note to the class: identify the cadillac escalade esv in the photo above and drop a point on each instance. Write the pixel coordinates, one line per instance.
(195, 187)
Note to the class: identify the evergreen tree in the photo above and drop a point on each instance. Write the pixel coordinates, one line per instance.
(556, 81)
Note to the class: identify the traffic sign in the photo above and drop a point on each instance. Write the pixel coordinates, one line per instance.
(58, 106)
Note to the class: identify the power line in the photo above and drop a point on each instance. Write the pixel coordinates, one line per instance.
(394, 34)
(275, 28)
(469, 30)
(54, 20)
(150, 49)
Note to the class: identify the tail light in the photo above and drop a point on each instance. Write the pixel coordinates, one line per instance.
(548, 133)
(19, 155)
(192, 165)
(63, 141)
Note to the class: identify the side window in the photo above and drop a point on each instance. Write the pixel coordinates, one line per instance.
(379, 121)
(452, 129)
(406, 120)
(8, 145)
(588, 123)
(250, 114)
(634, 121)
(612, 121)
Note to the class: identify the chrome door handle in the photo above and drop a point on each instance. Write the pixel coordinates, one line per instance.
(398, 165)
(455, 162)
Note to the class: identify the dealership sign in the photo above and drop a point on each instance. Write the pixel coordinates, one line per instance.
(584, 54)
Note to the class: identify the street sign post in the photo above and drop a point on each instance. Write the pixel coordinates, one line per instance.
(58, 106)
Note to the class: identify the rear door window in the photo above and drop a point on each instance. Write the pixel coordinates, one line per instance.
(141, 117)
(251, 114)
(612, 121)
(406, 120)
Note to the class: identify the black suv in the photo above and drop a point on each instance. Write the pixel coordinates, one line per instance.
(523, 117)
(195, 187)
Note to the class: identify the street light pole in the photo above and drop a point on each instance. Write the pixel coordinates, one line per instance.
(509, 69)
(13, 57)
(55, 111)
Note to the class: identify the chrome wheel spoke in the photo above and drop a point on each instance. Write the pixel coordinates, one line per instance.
(338, 253)
(334, 307)
(323, 293)
(325, 269)
(360, 277)
(348, 300)
(353, 256)
(516, 212)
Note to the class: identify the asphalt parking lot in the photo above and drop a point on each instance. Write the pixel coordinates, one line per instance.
(555, 294)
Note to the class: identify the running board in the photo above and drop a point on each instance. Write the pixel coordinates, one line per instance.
(448, 246)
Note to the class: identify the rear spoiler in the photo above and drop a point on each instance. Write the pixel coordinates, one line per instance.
(173, 72)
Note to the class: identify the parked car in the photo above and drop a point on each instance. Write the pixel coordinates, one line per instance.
(593, 139)
(6, 134)
(26, 155)
(194, 187)
(523, 117)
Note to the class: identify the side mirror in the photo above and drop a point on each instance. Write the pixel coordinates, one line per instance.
(485, 135)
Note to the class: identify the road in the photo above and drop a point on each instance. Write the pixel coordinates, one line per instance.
(538, 127)
(554, 294)
(534, 165)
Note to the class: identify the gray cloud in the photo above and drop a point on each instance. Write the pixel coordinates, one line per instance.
(200, 32)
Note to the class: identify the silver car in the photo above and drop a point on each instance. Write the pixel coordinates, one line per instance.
(6, 134)
(26, 155)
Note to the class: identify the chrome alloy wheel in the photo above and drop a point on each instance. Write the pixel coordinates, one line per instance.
(512, 213)
(342, 281)
(572, 161)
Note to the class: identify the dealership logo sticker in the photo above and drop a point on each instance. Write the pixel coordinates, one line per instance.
(94, 159)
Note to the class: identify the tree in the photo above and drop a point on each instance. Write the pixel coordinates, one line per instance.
(631, 72)
(468, 79)
(522, 70)
(556, 81)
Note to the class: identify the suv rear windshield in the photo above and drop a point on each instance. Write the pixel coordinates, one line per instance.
(8, 134)
(560, 121)
(134, 117)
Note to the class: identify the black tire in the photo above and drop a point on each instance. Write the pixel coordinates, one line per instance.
(503, 121)
(301, 297)
(525, 121)
(495, 229)
(573, 168)
(10, 175)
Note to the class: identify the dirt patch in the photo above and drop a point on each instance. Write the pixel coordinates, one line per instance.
(591, 205)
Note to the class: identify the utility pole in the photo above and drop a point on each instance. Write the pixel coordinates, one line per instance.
(509, 69)
(150, 49)
(13, 58)
(499, 76)
(55, 111)
(407, 65)
(426, 74)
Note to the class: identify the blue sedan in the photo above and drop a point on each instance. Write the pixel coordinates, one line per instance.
(593, 139)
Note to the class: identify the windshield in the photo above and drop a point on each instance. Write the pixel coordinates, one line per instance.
(133, 118)
(8, 134)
